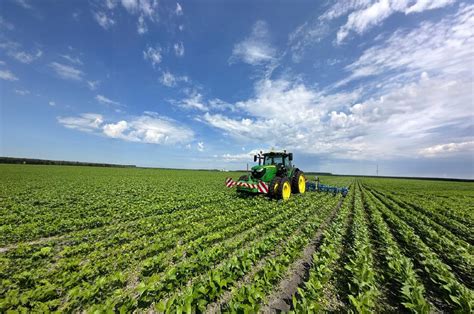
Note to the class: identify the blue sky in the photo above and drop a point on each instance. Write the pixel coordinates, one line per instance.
(204, 84)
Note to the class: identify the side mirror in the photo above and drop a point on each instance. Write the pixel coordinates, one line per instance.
(290, 156)
(254, 158)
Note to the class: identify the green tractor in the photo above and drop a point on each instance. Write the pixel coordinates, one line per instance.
(274, 175)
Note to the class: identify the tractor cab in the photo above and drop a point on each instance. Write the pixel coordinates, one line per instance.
(281, 160)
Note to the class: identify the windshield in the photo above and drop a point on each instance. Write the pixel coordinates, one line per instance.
(273, 160)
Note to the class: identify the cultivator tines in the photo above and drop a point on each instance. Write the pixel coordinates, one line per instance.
(318, 187)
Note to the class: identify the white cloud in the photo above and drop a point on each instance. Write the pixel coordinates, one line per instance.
(52, 103)
(442, 47)
(179, 9)
(179, 49)
(2, 62)
(423, 5)
(369, 14)
(242, 157)
(22, 92)
(93, 84)
(153, 55)
(7, 76)
(148, 128)
(145, 8)
(170, 80)
(141, 26)
(393, 124)
(448, 149)
(193, 101)
(200, 146)
(86, 122)
(104, 20)
(106, 101)
(25, 57)
(74, 60)
(67, 71)
(255, 49)
(305, 35)
(116, 130)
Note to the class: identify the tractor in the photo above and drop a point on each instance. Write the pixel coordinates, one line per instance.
(275, 175)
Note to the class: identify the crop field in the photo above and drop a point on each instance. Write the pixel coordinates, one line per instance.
(86, 239)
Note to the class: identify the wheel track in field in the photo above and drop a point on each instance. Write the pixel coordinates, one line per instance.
(297, 270)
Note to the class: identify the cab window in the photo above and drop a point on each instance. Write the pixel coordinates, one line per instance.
(273, 160)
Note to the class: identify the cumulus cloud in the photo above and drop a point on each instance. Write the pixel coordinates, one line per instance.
(66, 71)
(7, 76)
(148, 128)
(256, 48)
(153, 55)
(392, 124)
(52, 103)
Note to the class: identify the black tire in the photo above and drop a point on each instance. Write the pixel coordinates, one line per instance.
(279, 191)
(294, 181)
(244, 178)
(272, 193)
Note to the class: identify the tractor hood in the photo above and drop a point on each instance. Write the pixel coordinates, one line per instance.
(265, 173)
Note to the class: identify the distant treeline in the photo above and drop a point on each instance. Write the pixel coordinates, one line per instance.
(32, 161)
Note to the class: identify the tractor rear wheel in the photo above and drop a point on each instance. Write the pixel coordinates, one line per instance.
(273, 187)
(284, 189)
(298, 182)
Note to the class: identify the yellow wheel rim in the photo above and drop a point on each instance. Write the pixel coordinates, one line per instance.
(275, 187)
(286, 191)
(302, 184)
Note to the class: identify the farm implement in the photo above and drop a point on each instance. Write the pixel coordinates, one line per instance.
(277, 177)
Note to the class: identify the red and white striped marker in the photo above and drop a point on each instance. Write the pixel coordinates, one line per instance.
(261, 186)
(229, 182)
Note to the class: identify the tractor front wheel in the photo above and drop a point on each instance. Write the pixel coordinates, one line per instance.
(284, 189)
(273, 187)
(298, 182)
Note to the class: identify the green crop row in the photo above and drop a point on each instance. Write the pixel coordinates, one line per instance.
(309, 298)
(400, 268)
(437, 272)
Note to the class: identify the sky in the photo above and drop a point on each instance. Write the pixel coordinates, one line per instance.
(346, 86)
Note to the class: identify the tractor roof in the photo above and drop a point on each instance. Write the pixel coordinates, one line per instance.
(276, 154)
